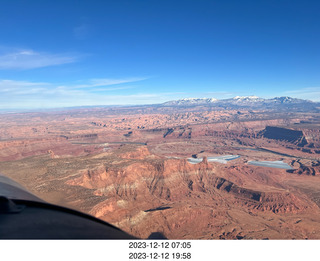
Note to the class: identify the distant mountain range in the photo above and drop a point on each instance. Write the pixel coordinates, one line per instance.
(248, 101)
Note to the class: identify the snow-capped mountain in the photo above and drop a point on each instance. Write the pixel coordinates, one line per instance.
(243, 100)
(248, 102)
(286, 99)
(191, 101)
(247, 98)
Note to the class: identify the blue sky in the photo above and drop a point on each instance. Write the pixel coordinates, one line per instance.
(75, 53)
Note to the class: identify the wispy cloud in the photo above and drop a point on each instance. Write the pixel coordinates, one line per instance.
(309, 93)
(21, 87)
(92, 85)
(24, 59)
(105, 82)
(24, 94)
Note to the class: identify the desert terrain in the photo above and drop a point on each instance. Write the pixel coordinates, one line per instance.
(243, 168)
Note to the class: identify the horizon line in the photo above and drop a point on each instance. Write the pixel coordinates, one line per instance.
(59, 108)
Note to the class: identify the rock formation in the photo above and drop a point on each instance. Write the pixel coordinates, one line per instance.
(128, 166)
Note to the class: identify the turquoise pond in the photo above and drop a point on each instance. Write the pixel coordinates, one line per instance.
(220, 159)
(272, 164)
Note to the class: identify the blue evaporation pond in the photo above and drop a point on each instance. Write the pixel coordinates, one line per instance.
(272, 164)
(221, 159)
(195, 161)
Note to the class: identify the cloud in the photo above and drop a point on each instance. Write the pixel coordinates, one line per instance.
(29, 59)
(21, 87)
(308, 93)
(105, 82)
(24, 94)
(88, 86)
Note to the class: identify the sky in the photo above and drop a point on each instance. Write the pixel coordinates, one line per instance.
(124, 52)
